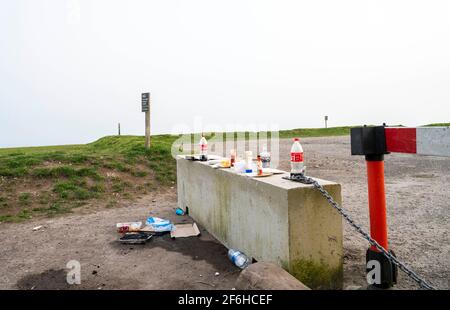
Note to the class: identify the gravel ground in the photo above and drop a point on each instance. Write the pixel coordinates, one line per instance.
(37, 259)
(417, 190)
(418, 217)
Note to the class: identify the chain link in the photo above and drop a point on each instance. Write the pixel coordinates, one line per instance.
(307, 180)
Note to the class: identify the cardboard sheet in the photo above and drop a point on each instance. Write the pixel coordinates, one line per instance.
(185, 230)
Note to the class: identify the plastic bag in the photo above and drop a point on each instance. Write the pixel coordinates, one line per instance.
(159, 225)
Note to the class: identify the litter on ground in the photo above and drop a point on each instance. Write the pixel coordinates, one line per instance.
(159, 225)
(128, 227)
(185, 230)
(135, 238)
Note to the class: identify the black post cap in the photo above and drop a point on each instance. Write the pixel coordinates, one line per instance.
(369, 141)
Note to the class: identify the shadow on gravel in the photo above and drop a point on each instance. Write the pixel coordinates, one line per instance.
(47, 280)
(211, 252)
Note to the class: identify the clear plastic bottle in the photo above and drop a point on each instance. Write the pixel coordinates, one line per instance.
(248, 162)
(297, 165)
(203, 149)
(265, 157)
(259, 166)
(232, 157)
(238, 258)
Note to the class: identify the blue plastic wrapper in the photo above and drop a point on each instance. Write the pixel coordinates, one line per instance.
(159, 225)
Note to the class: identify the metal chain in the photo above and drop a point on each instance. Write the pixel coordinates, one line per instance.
(307, 180)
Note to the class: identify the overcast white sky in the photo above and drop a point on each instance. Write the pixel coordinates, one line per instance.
(71, 70)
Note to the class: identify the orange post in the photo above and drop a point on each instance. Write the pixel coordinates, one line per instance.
(377, 202)
(371, 142)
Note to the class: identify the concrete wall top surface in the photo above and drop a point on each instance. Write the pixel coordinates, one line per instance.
(274, 180)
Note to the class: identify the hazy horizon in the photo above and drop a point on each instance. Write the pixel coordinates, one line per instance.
(71, 70)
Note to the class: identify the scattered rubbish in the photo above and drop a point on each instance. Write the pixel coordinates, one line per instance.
(179, 211)
(203, 149)
(238, 258)
(191, 157)
(159, 225)
(135, 238)
(248, 162)
(185, 230)
(128, 227)
(225, 163)
(259, 167)
(37, 228)
(239, 166)
(222, 163)
(256, 175)
(151, 229)
(265, 157)
(297, 165)
(232, 157)
(217, 274)
(94, 272)
(154, 200)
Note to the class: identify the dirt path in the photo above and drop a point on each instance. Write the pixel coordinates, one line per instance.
(37, 259)
(418, 216)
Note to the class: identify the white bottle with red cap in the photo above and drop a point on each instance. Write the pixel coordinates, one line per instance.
(297, 165)
(203, 149)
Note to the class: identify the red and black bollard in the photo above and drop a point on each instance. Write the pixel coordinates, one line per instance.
(371, 142)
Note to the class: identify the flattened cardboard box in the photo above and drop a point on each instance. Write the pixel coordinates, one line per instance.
(185, 230)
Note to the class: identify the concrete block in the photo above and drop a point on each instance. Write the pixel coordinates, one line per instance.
(267, 276)
(270, 219)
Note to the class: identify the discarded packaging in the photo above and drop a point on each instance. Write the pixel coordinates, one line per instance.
(37, 228)
(185, 230)
(151, 230)
(135, 238)
(159, 225)
(179, 211)
(239, 166)
(238, 258)
(128, 227)
(225, 163)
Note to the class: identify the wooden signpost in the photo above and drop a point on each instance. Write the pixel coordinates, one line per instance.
(146, 108)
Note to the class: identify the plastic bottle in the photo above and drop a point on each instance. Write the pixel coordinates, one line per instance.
(297, 165)
(203, 149)
(265, 157)
(248, 162)
(238, 258)
(232, 157)
(259, 166)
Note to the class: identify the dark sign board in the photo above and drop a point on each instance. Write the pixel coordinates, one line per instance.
(145, 102)
(326, 118)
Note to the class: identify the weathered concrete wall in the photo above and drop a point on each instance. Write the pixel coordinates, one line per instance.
(270, 219)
